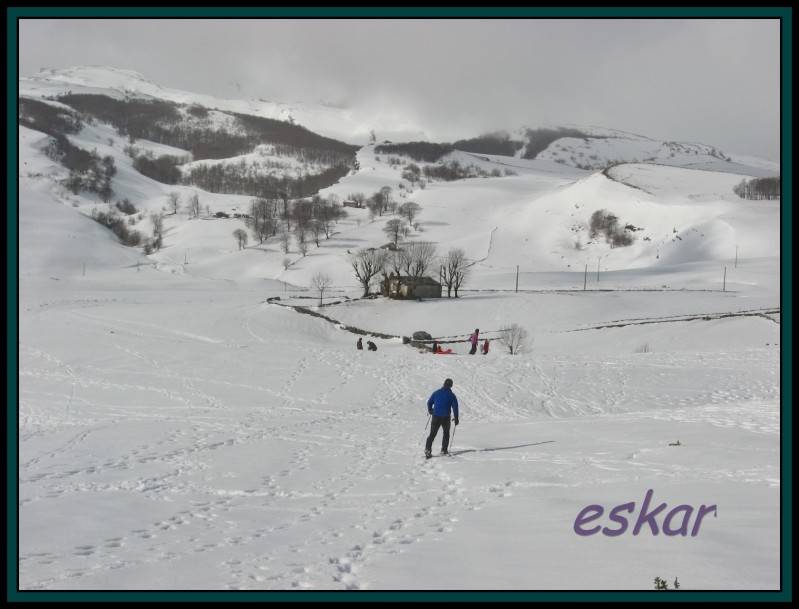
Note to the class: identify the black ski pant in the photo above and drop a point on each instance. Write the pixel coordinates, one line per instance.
(435, 423)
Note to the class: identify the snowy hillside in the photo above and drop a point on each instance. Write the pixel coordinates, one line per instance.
(183, 425)
(596, 148)
(264, 160)
(337, 123)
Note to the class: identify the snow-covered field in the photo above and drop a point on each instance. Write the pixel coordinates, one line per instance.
(179, 432)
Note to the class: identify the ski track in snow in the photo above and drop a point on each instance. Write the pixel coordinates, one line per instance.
(332, 527)
(177, 432)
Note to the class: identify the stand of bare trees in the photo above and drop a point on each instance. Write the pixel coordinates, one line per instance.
(454, 271)
(262, 219)
(368, 264)
(758, 188)
(308, 219)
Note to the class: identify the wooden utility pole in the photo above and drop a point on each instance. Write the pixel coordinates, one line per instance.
(517, 278)
(597, 267)
(724, 284)
(585, 277)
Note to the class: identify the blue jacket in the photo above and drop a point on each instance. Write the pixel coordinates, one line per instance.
(441, 401)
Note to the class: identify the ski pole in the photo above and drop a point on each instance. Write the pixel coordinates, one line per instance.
(425, 428)
(452, 441)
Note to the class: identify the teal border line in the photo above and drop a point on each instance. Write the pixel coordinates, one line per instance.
(786, 352)
(786, 306)
(400, 11)
(12, 305)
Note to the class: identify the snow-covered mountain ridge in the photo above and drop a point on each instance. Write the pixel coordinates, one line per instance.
(582, 146)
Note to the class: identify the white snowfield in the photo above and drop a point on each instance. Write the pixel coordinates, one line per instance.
(179, 432)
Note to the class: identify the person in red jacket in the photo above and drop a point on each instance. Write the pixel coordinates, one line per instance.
(485, 347)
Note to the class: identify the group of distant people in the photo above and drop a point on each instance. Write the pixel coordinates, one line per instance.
(474, 340)
(369, 345)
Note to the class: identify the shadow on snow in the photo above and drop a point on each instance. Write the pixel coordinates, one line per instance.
(488, 450)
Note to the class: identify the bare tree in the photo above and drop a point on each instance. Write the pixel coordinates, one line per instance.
(194, 205)
(393, 229)
(303, 212)
(402, 259)
(409, 210)
(385, 199)
(393, 265)
(302, 241)
(106, 193)
(173, 200)
(418, 257)
(285, 241)
(285, 195)
(394, 262)
(368, 264)
(411, 173)
(327, 215)
(454, 270)
(157, 220)
(317, 228)
(375, 205)
(358, 198)
(320, 282)
(241, 237)
(514, 337)
(261, 222)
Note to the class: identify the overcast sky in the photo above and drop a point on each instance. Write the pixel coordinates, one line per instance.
(711, 81)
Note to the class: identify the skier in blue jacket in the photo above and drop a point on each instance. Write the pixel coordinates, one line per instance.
(440, 404)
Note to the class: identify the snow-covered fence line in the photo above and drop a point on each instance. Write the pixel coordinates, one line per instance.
(353, 329)
(606, 173)
(764, 313)
(569, 290)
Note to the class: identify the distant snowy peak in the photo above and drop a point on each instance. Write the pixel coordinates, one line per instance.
(581, 146)
(97, 76)
(595, 148)
(328, 119)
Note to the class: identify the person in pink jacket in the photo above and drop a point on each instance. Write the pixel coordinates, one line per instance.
(474, 338)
